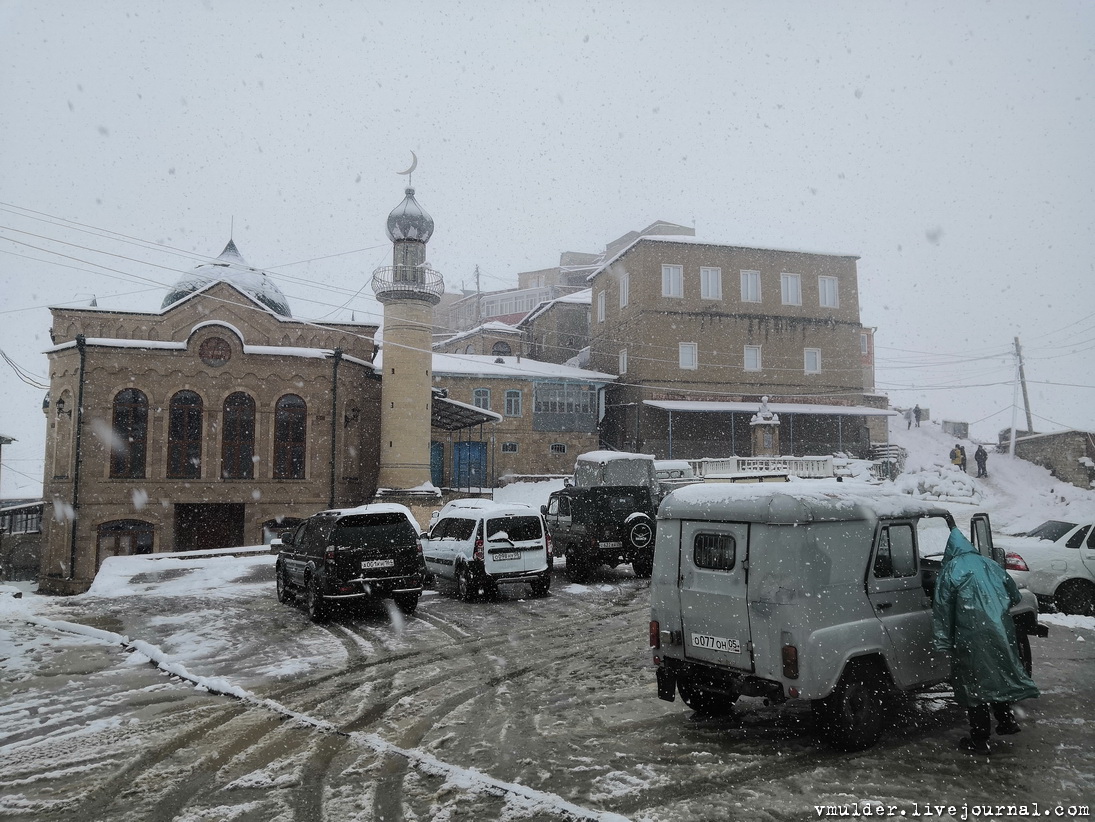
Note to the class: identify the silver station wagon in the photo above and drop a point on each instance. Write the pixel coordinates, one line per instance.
(806, 591)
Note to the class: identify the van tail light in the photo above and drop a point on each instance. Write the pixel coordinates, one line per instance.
(790, 661)
(547, 542)
(478, 553)
(1014, 562)
(329, 554)
(418, 542)
(655, 634)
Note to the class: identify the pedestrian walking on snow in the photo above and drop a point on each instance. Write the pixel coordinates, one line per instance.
(909, 417)
(962, 453)
(971, 624)
(981, 456)
(916, 414)
(955, 457)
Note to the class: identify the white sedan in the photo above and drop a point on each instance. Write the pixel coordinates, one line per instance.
(1056, 561)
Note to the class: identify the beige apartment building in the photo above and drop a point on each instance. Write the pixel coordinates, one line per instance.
(550, 413)
(683, 321)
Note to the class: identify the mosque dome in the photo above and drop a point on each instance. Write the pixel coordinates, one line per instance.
(409, 221)
(233, 269)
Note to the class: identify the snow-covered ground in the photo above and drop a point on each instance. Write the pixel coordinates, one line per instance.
(178, 688)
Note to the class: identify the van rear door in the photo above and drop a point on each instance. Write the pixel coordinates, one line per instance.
(714, 567)
(515, 544)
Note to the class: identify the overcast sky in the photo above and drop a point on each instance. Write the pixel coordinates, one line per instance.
(948, 145)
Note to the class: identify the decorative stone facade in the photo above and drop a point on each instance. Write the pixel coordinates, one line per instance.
(199, 426)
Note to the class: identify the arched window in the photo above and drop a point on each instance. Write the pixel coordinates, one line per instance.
(238, 437)
(501, 349)
(184, 436)
(130, 440)
(123, 537)
(513, 403)
(290, 435)
(481, 398)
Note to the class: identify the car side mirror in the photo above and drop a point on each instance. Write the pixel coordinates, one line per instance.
(287, 538)
(543, 509)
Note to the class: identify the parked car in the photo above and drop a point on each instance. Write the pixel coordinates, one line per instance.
(1056, 561)
(602, 526)
(805, 593)
(479, 544)
(352, 554)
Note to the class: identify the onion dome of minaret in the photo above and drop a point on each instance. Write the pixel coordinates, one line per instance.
(231, 268)
(409, 221)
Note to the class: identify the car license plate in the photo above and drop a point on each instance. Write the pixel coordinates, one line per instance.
(507, 555)
(716, 643)
(611, 544)
(369, 564)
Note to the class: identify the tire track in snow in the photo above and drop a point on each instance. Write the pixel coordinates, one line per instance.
(468, 779)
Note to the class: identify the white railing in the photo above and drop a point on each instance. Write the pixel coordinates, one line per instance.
(806, 467)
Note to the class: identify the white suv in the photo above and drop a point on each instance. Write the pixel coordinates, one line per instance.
(479, 544)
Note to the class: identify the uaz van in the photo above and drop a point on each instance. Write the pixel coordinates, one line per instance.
(809, 592)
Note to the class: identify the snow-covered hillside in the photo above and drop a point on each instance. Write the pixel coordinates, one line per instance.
(1017, 494)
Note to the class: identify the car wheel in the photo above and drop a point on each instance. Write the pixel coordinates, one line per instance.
(407, 603)
(1023, 640)
(851, 717)
(703, 701)
(541, 586)
(466, 588)
(314, 602)
(577, 567)
(641, 533)
(285, 590)
(643, 565)
(1076, 597)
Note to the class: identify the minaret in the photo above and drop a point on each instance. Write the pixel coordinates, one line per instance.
(408, 289)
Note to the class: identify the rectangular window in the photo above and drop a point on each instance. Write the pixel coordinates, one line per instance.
(791, 289)
(509, 448)
(600, 306)
(689, 356)
(752, 358)
(623, 361)
(481, 398)
(828, 293)
(750, 286)
(710, 283)
(812, 358)
(864, 347)
(714, 551)
(625, 290)
(672, 281)
(513, 403)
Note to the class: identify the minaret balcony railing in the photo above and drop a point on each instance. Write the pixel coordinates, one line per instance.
(408, 282)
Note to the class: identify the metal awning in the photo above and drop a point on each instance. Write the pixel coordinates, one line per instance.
(450, 415)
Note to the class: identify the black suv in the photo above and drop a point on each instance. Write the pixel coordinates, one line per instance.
(605, 525)
(352, 554)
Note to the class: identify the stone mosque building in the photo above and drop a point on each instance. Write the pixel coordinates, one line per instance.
(221, 418)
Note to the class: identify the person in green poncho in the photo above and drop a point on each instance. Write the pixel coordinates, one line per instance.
(972, 625)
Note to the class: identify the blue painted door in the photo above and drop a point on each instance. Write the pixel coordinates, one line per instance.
(437, 463)
(469, 464)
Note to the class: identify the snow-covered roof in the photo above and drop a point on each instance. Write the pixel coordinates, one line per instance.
(167, 345)
(491, 327)
(718, 406)
(230, 267)
(612, 456)
(480, 365)
(583, 297)
(676, 240)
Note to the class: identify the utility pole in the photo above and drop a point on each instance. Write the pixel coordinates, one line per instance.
(478, 300)
(1023, 383)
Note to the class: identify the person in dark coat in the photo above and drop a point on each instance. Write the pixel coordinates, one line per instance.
(962, 457)
(916, 414)
(971, 624)
(955, 457)
(981, 456)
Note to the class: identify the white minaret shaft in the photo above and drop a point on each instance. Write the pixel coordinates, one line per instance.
(408, 289)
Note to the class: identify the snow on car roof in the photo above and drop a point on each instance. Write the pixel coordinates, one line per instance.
(610, 456)
(800, 500)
